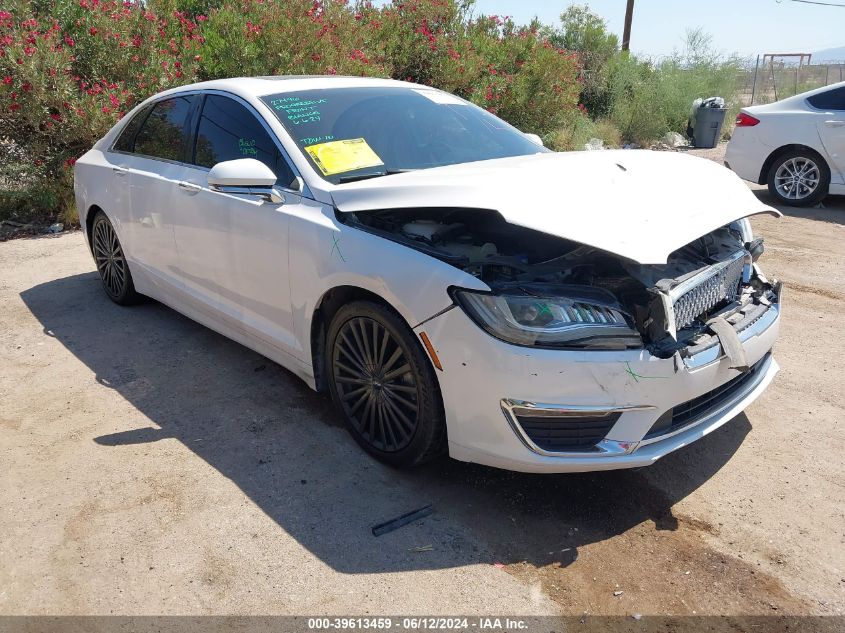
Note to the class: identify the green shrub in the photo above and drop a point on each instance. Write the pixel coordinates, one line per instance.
(525, 79)
(584, 32)
(71, 68)
(651, 99)
(285, 37)
(69, 71)
(578, 129)
(635, 99)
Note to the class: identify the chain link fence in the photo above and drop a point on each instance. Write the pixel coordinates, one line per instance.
(777, 79)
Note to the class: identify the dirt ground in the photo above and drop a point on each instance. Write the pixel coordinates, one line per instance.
(151, 466)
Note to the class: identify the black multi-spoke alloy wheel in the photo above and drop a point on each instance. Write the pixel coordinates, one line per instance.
(111, 263)
(384, 385)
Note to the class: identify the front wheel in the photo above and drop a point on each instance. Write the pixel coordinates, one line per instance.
(111, 262)
(799, 178)
(384, 385)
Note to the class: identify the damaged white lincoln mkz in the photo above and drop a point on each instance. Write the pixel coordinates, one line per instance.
(452, 284)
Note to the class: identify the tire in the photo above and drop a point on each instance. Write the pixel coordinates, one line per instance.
(111, 262)
(396, 417)
(814, 176)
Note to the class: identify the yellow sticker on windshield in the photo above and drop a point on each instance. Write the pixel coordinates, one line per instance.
(336, 157)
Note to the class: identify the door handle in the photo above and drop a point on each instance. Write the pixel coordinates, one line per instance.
(189, 187)
(119, 171)
(835, 123)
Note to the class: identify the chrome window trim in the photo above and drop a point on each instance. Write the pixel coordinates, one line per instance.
(305, 192)
(605, 448)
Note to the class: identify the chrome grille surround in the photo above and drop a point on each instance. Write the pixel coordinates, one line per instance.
(707, 289)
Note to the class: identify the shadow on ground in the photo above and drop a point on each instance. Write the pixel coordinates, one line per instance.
(832, 208)
(282, 445)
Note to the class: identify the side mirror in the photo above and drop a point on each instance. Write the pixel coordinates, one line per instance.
(245, 176)
(534, 138)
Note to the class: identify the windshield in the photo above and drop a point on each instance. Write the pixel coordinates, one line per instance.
(353, 133)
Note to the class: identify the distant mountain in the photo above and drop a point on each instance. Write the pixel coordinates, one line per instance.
(830, 55)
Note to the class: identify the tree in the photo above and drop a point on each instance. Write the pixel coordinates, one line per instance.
(585, 32)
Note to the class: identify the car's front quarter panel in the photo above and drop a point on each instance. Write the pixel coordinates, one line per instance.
(326, 254)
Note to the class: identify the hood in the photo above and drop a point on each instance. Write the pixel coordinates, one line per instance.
(638, 204)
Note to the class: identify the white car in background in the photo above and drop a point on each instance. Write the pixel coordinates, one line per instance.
(451, 283)
(796, 146)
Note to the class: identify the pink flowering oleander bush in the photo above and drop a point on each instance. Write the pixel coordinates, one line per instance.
(524, 78)
(70, 69)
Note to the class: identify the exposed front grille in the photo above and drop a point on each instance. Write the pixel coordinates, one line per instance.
(695, 409)
(567, 434)
(704, 292)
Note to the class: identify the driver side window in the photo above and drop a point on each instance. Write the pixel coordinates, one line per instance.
(227, 131)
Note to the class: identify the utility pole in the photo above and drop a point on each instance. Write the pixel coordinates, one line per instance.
(626, 33)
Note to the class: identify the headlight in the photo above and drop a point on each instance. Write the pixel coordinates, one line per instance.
(561, 316)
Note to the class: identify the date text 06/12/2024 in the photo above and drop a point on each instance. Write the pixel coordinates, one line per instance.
(417, 623)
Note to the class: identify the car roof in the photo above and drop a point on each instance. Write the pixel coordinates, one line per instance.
(275, 84)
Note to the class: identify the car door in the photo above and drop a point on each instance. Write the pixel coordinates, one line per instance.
(830, 121)
(233, 249)
(115, 176)
(154, 168)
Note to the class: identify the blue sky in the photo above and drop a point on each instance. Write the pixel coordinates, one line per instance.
(746, 27)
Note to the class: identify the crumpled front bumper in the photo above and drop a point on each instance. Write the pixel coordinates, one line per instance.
(483, 377)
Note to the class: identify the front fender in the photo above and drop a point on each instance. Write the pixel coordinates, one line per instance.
(326, 254)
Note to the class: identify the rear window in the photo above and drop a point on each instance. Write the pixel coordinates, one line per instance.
(829, 100)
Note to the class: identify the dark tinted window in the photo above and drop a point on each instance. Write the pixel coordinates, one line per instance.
(126, 141)
(228, 131)
(347, 132)
(830, 100)
(163, 133)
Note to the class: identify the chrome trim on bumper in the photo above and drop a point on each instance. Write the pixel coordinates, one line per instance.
(653, 447)
(613, 448)
(605, 448)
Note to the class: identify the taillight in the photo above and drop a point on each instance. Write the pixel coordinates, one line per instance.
(745, 120)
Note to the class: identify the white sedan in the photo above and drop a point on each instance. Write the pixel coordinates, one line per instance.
(795, 146)
(452, 284)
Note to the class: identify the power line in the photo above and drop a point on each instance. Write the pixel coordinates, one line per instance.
(823, 4)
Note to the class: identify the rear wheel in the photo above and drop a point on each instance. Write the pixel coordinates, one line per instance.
(799, 178)
(111, 262)
(384, 385)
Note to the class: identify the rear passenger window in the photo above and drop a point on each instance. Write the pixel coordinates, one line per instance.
(227, 131)
(126, 141)
(830, 100)
(163, 133)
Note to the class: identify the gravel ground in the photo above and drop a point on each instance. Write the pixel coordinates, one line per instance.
(151, 466)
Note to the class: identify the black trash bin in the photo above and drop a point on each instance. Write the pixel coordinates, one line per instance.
(709, 119)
